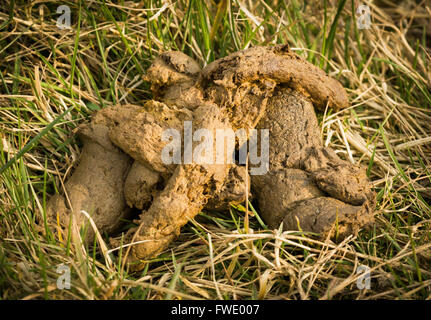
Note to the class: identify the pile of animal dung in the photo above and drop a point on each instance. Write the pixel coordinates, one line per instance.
(306, 187)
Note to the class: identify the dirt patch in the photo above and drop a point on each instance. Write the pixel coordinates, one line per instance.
(307, 187)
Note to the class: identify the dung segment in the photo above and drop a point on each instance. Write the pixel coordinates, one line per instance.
(308, 187)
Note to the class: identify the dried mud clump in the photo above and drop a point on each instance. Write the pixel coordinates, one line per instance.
(308, 187)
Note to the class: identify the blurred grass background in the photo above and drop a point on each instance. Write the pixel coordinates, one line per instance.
(51, 80)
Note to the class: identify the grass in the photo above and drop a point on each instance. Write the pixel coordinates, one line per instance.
(51, 80)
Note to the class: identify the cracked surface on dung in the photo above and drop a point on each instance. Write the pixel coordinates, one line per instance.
(292, 124)
(140, 186)
(96, 184)
(308, 187)
(317, 213)
(302, 169)
(278, 189)
(280, 65)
